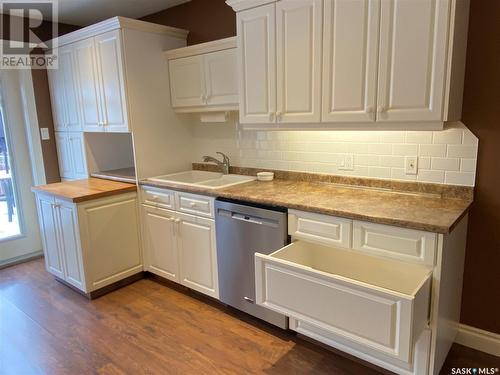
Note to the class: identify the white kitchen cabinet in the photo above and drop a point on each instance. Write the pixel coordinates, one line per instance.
(89, 95)
(203, 77)
(101, 83)
(63, 84)
(160, 242)
(78, 249)
(179, 246)
(350, 63)
(298, 60)
(256, 30)
(413, 60)
(112, 81)
(71, 155)
(350, 60)
(187, 81)
(49, 232)
(197, 254)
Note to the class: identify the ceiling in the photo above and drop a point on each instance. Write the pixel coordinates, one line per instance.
(86, 12)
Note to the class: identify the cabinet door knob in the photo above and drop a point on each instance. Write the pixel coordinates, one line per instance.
(177, 221)
(369, 109)
(381, 109)
(279, 115)
(271, 117)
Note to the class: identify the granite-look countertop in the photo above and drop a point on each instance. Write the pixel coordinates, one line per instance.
(85, 190)
(426, 212)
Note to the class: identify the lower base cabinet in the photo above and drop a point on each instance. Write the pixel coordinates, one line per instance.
(179, 247)
(92, 244)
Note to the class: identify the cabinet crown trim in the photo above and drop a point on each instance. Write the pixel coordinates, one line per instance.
(118, 23)
(239, 5)
(200, 49)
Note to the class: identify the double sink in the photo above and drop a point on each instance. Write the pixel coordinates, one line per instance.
(203, 179)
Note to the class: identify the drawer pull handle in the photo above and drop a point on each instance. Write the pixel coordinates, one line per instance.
(192, 204)
(249, 300)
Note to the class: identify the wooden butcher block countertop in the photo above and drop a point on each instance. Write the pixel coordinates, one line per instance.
(85, 190)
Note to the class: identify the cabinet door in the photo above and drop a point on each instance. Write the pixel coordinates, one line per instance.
(77, 151)
(69, 87)
(49, 232)
(187, 82)
(57, 98)
(413, 50)
(160, 242)
(350, 60)
(298, 45)
(64, 155)
(221, 77)
(257, 64)
(112, 81)
(88, 88)
(70, 244)
(110, 239)
(197, 252)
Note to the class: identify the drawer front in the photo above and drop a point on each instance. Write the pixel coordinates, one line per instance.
(371, 317)
(195, 204)
(161, 198)
(399, 243)
(323, 229)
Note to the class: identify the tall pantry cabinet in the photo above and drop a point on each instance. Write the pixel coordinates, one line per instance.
(102, 70)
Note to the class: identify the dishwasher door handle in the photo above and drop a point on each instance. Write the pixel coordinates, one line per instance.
(246, 219)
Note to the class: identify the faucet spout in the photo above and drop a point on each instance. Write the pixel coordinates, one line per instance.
(224, 164)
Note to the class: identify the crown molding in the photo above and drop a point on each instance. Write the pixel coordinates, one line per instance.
(200, 49)
(118, 23)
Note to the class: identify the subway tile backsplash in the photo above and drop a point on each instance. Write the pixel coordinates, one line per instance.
(447, 156)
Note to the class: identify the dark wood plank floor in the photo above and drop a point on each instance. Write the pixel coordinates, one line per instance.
(150, 328)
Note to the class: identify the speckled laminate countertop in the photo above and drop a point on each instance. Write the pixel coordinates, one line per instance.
(416, 211)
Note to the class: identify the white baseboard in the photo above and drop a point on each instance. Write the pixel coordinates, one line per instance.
(478, 339)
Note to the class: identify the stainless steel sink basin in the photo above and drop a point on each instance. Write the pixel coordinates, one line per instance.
(208, 180)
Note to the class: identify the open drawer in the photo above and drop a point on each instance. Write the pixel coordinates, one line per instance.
(378, 303)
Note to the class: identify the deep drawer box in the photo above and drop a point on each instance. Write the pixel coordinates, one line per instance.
(378, 303)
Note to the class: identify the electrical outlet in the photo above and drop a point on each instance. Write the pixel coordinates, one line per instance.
(346, 162)
(411, 164)
(44, 132)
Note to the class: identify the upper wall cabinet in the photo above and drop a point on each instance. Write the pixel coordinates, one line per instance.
(203, 77)
(64, 92)
(353, 63)
(90, 90)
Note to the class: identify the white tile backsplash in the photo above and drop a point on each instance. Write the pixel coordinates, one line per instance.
(447, 156)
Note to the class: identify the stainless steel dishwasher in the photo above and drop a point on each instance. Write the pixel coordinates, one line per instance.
(242, 230)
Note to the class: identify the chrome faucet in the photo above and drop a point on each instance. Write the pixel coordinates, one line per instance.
(224, 164)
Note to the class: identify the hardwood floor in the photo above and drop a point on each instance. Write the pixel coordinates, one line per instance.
(150, 328)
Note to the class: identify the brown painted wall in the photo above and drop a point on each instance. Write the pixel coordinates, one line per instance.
(481, 113)
(206, 20)
(210, 20)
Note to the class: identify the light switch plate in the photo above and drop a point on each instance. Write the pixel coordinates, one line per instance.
(44, 133)
(346, 162)
(411, 164)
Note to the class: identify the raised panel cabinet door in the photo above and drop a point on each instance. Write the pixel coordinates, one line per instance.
(112, 81)
(299, 28)
(197, 253)
(110, 239)
(187, 82)
(69, 87)
(160, 242)
(64, 155)
(57, 98)
(70, 244)
(350, 60)
(413, 50)
(88, 88)
(49, 232)
(77, 150)
(221, 77)
(256, 30)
